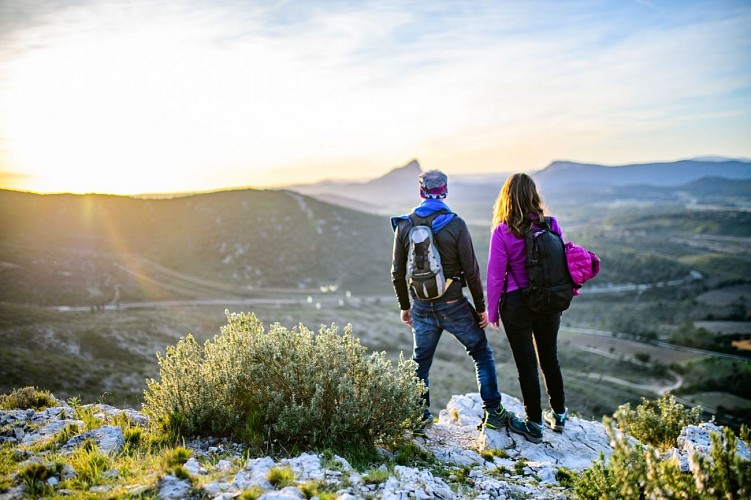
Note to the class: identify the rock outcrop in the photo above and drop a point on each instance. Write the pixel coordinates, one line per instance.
(468, 462)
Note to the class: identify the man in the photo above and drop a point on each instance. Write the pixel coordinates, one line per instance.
(451, 311)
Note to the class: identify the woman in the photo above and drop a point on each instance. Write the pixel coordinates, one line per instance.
(531, 335)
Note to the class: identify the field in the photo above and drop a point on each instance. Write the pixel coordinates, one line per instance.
(108, 355)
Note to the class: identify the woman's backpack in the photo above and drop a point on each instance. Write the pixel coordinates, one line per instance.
(550, 288)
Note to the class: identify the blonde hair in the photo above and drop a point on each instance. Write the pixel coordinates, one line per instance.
(517, 200)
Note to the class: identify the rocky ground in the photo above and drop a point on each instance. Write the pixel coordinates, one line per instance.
(469, 463)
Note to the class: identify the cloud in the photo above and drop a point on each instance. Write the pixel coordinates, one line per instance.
(202, 88)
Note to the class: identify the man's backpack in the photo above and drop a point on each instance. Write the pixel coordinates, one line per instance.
(424, 271)
(550, 286)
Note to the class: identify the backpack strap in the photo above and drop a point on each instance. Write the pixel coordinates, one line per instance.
(426, 221)
(545, 223)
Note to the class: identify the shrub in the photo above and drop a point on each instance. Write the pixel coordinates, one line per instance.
(292, 386)
(659, 422)
(566, 477)
(637, 471)
(27, 397)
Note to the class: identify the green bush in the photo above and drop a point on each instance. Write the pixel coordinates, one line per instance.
(745, 434)
(637, 471)
(659, 422)
(27, 397)
(290, 386)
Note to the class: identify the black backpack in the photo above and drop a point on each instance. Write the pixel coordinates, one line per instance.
(550, 288)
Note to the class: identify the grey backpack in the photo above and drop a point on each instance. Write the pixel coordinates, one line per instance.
(424, 271)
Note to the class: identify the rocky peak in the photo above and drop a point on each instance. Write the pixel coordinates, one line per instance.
(406, 174)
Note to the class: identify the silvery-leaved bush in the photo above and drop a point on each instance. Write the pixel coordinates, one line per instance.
(294, 386)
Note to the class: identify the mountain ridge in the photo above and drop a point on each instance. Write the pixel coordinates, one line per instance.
(562, 174)
(68, 245)
(561, 182)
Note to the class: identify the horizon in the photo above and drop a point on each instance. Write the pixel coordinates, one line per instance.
(463, 176)
(116, 97)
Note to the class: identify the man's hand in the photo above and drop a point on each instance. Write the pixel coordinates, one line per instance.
(483, 319)
(407, 317)
(496, 325)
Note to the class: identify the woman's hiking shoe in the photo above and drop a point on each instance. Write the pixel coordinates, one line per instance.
(530, 430)
(495, 419)
(554, 420)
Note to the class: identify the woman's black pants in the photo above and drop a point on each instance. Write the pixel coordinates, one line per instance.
(534, 336)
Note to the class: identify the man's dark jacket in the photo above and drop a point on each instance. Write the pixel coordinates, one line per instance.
(457, 259)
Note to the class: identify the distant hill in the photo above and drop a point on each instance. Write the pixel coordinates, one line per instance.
(561, 182)
(564, 174)
(74, 249)
(394, 193)
(397, 192)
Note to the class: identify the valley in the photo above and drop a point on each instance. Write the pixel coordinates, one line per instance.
(93, 286)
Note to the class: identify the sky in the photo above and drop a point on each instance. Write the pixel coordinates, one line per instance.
(136, 96)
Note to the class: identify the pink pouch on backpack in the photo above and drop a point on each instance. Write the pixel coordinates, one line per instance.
(583, 265)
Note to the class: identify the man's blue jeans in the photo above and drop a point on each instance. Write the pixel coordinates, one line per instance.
(429, 319)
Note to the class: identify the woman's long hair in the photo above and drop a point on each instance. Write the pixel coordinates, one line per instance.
(517, 201)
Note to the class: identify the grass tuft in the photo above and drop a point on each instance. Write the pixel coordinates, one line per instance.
(279, 477)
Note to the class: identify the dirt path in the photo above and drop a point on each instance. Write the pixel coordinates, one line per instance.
(655, 388)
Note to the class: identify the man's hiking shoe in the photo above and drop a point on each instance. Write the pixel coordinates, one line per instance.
(422, 426)
(495, 419)
(527, 428)
(554, 420)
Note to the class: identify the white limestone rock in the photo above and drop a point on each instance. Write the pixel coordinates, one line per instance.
(109, 438)
(575, 448)
(306, 467)
(697, 439)
(193, 467)
(255, 474)
(49, 430)
(223, 465)
(107, 412)
(170, 487)
(418, 482)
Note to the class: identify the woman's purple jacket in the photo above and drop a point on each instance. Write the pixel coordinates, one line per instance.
(507, 252)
